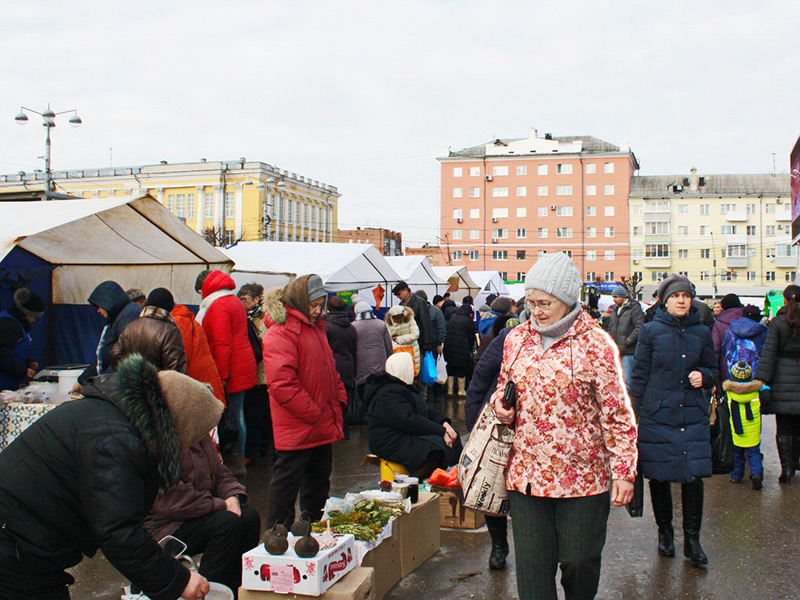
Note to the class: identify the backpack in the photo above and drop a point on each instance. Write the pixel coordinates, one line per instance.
(734, 349)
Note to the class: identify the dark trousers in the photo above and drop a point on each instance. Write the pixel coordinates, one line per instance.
(752, 456)
(304, 472)
(549, 531)
(787, 425)
(18, 582)
(222, 537)
(258, 421)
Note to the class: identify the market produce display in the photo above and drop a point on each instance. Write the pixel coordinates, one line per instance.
(276, 540)
(365, 521)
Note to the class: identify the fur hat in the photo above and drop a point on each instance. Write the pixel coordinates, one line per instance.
(28, 303)
(501, 305)
(162, 298)
(619, 292)
(672, 285)
(557, 275)
(401, 366)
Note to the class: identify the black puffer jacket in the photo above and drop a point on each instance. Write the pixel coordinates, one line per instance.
(80, 478)
(460, 340)
(402, 428)
(779, 367)
(342, 339)
(623, 325)
(448, 309)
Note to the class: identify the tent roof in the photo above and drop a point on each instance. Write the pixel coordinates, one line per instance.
(483, 278)
(415, 270)
(448, 273)
(341, 266)
(123, 230)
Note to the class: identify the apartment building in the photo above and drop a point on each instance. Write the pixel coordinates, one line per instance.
(388, 243)
(224, 201)
(727, 233)
(509, 201)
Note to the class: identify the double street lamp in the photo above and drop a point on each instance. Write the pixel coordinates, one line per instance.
(48, 121)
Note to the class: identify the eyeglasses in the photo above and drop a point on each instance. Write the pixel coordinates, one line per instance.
(542, 305)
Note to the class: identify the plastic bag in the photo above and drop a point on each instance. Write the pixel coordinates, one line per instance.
(338, 505)
(441, 370)
(427, 374)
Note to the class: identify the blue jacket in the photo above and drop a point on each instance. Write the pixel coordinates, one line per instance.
(484, 378)
(742, 328)
(673, 416)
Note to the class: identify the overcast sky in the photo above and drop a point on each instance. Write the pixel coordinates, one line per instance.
(364, 95)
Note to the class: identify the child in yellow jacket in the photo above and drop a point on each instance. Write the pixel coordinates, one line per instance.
(745, 410)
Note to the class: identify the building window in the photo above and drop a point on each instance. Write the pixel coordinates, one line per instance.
(683, 253)
(591, 168)
(474, 234)
(609, 276)
(705, 276)
(500, 170)
(684, 273)
(474, 192)
(564, 169)
(728, 276)
(683, 230)
(637, 210)
(474, 213)
(458, 171)
(769, 275)
(656, 250)
(683, 209)
(705, 229)
(591, 255)
(790, 276)
(729, 230)
(474, 171)
(726, 208)
(751, 276)
(770, 230)
(473, 255)
(591, 211)
(520, 254)
(541, 232)
(208, 205)
(499, 213)
(705, 209)
(751, 209)
(522, 169)
(564, 211)
(230, 207)
(785, 250)
(456, 234)
(541, 190)
(542, 169)
(499, 192)
(522, 233)
(227, 237)
(456, 254)
(591, 190)
(656, 206)
(563, 190)
(751, 230)
(609, 232)
(500, 233)
(499, 254)
(522, 212)
(521, 275)
(180, 206)
(637, 230)
(591, 232)
(609, 189)
(608, 167)
(541, 253)
(522, 191)
(659, 275)
(590, 276)
(568, 253)
(638, 274)
(458, 192)
(770, 252)
(638, 254)
(769, 208)
(457, 213)
(542, 211)
(503, 275)
(656, 228)
(171, 203)
(608, 211)
(564, 232)
(609, 255)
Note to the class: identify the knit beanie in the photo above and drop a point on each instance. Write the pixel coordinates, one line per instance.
(730, 301)
(362, 307)
(162, 298)
(619, 292)
(315, 289)
(557, 275)
(396, 310)
(401, 366)
(752, 312)
(741, 371)
(501, 305)
(672, 285)
(192, 405)
(135, 294)
(28, 303)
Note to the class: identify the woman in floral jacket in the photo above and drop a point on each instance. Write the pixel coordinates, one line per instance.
(575, 435)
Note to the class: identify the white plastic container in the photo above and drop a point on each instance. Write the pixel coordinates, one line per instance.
(67, 379)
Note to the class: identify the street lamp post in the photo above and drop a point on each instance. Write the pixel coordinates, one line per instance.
(48, 121)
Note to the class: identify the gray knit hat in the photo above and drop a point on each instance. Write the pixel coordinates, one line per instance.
(619, 292)
(673, 284)
(501, 305)
(314, 288)
(556, 274)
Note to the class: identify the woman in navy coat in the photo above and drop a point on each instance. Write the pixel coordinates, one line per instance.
(674, 361)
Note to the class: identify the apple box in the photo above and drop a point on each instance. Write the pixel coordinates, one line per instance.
(290, 574)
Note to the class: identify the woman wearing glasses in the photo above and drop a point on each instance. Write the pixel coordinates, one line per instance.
(575, 444)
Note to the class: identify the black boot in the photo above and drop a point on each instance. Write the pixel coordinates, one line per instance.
(692, 499)
(661, 495)
(795, 453)
(785, 454)
(498, 531)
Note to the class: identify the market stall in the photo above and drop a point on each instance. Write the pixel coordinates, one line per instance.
(461, 283)
(490, 282)
(418, 273)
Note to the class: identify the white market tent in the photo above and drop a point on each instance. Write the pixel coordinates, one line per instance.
(490, 282)
(342, 267)
(516, 290)
(418, 273)
(461, 283)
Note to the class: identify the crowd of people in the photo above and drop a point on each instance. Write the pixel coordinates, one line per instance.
(599, 400)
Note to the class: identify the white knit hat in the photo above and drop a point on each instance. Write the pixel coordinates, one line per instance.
(401, 366)
(362, 307)
(556, 274)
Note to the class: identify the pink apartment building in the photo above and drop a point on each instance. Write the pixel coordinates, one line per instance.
(509, 201)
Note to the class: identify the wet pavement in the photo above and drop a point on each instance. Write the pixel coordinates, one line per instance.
(752, 540)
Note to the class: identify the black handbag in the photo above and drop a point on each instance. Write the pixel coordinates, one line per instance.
(722, 445)
(635, 507)
(227, 430)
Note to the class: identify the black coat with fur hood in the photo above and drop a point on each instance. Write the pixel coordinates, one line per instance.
(83, 477)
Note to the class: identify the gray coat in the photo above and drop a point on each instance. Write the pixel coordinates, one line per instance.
(439, 323)
(373, 347)
(623, 325)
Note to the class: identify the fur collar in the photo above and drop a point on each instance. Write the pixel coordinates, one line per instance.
(738, 387)
(274, 306)
(158, 313)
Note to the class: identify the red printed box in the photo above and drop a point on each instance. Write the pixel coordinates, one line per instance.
(290, 574)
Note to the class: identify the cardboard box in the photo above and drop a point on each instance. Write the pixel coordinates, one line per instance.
(417, 533)
(452, 512)
(385, 559)
(288, 573)
(356, 585)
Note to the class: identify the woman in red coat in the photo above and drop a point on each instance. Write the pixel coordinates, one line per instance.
(225, 322)
(306, 398)
(200, 361)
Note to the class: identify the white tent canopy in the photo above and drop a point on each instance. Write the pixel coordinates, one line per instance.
(490, 282)
(132, 240)
(418, 273)
(461, 283)
(342, 267)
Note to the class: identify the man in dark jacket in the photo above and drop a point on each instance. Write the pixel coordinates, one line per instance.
(113, 304)
(16, 363)
(427, 333)
(623, 325)
(342, 338)
(436, 391)
(458, 349)
(85, 475)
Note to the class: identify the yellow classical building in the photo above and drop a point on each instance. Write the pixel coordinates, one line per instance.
(224, 201)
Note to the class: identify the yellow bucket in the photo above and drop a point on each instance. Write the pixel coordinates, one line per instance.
(390, 469)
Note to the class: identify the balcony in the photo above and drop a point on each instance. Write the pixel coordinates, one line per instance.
(736, 239)
(736, 216)
(786, 262)
(783, 216)
(736, 262)
(661, 262)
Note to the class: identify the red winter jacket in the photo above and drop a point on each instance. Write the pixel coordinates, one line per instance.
(305, 393)
(201, 365)
(225, 324)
